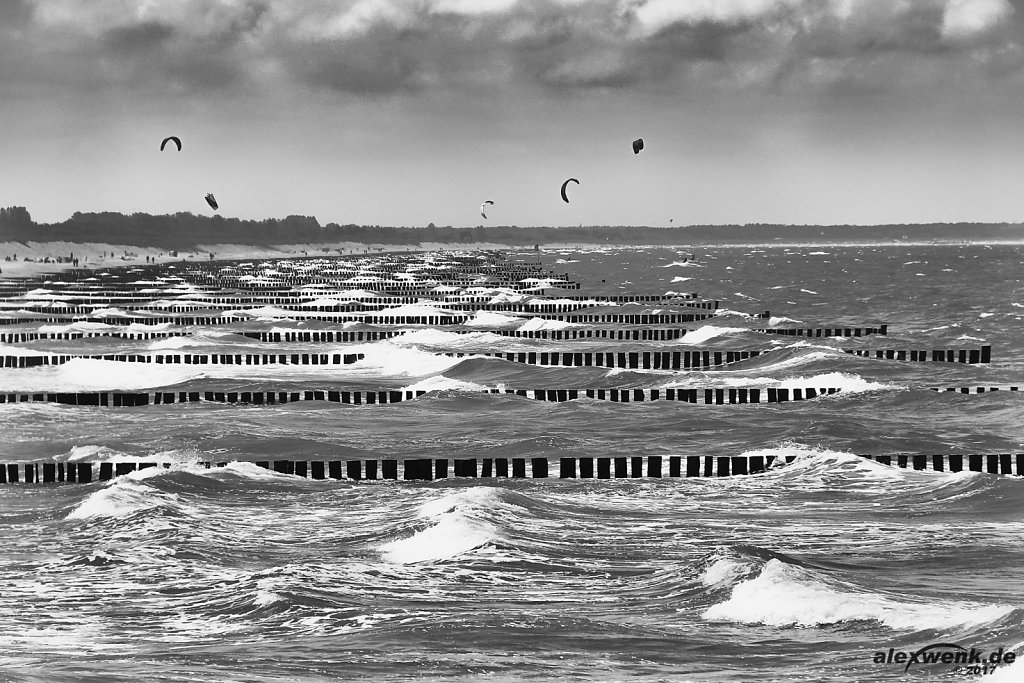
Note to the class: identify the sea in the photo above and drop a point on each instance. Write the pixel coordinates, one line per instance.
(827, 566)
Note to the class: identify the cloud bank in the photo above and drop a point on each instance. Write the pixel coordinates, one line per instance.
(369, 48)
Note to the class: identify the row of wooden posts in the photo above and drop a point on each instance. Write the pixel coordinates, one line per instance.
(426, 469)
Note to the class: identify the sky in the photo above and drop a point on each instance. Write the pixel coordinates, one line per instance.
(409, 112)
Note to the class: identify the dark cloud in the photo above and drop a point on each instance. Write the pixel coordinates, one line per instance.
(15, 13)
(377, 47)
(381, 60)
(145, 37)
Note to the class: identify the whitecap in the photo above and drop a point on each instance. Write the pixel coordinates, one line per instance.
(786, 595)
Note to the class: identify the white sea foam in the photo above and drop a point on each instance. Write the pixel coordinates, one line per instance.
(392, 360)
(492, 319)
(774, 321)
(94, 453)
(509, 297)
(9, 350)
(244, 470)
(442, 383)
(708, 332)
(142, 327)
(175, 343)
(786, 595)
(727, 312)
(122, 497)
(261, 312)
(460, 525)
(1008, 673)
(416, 310)
(813, 459)
(112, 312)
(322, 301)
(82, 326)
(89, 374)
(435, 337)
(681, 279)
(722, 570)
(544, 324)
(845, 382)
(797, 361)
(848, 383)
(449, 537)
(264, 598)
(347, 325)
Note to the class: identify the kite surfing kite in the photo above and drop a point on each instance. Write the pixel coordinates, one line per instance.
(212, 201)
(173, 139)
(565, 197)
(483, 208)
(638, 145)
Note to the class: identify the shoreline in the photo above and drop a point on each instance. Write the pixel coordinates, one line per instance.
(96, 255)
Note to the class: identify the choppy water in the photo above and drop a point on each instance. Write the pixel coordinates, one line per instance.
(800, 573)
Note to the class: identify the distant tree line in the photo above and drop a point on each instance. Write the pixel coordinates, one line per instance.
(187, 230)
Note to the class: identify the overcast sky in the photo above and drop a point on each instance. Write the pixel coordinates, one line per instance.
(405, 112)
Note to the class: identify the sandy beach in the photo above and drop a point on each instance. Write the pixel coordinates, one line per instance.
(42, 256)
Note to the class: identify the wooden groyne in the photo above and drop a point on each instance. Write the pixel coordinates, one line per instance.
(432, 469)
